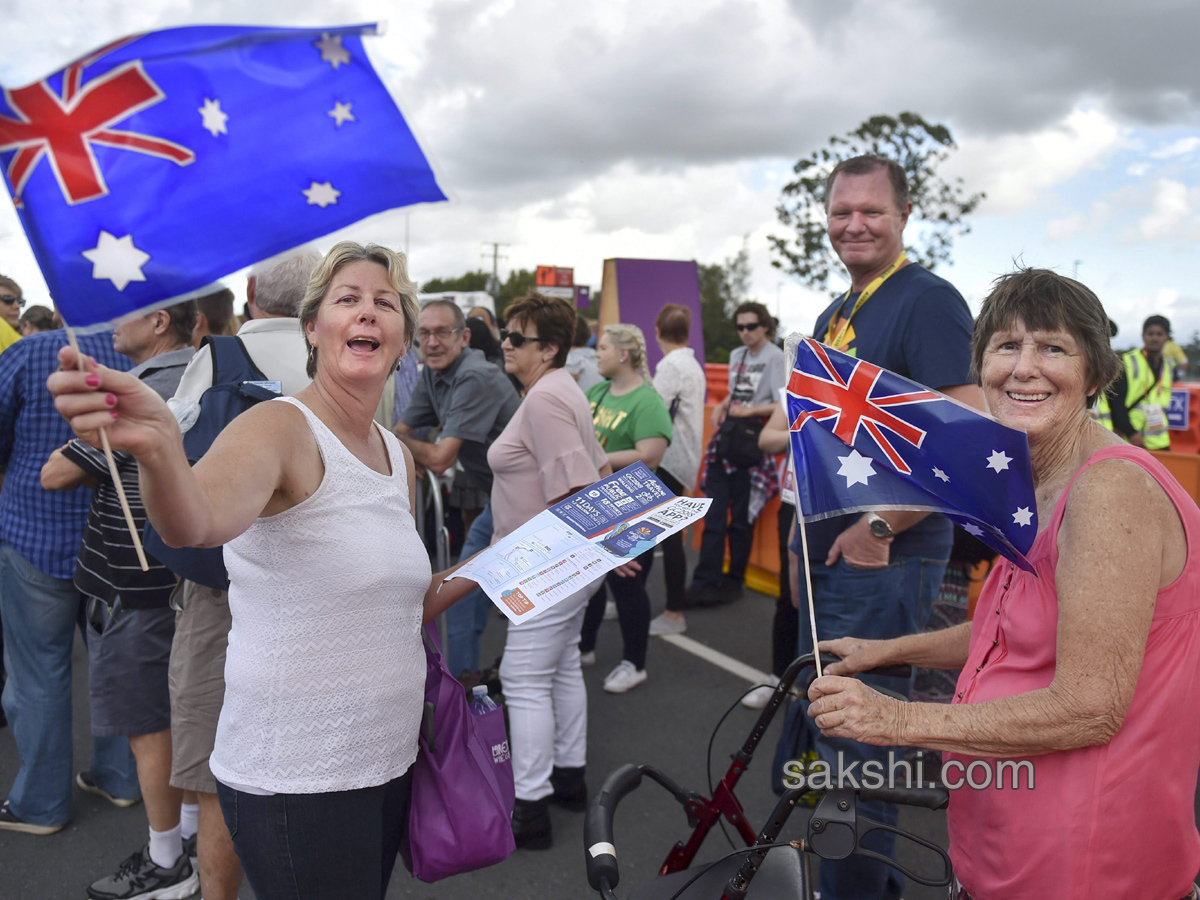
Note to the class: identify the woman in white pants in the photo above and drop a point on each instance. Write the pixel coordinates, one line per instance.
(547, 451)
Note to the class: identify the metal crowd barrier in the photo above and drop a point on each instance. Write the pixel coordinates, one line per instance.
(429, 494)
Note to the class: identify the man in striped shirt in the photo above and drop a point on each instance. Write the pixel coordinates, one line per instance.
(129, 620)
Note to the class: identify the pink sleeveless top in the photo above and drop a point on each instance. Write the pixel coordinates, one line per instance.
(1111, 822)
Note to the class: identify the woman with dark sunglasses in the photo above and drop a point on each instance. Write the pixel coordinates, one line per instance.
(547, 451)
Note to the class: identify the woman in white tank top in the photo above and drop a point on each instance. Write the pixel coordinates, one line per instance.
(329, 584)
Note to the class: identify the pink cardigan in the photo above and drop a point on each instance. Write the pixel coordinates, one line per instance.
(1111, 822)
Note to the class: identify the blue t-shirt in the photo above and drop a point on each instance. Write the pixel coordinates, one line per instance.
(917, 325)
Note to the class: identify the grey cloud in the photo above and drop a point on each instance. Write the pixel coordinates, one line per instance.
(526, 103)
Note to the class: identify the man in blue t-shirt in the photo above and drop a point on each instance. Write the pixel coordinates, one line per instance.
(875, 575)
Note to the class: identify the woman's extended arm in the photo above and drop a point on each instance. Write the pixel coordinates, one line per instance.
(204, 506)
(944, 649)
(647, 450)
(1106, 605)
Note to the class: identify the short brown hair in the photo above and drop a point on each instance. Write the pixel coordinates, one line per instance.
(218, 310)
(865, 165)
(674, 323)
(6, 282)
(554, 320)
(343, 254)
(1046, 301)
(764, 316)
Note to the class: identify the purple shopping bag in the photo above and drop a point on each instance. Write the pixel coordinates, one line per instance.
(460, 818)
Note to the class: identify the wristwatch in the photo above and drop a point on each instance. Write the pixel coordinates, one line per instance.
(879, 526)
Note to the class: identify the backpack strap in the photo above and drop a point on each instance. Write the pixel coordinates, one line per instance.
(230, 358)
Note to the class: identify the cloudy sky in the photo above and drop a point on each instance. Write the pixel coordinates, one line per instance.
(654, 128)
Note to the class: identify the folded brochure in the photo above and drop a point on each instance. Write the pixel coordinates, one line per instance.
(579, 540)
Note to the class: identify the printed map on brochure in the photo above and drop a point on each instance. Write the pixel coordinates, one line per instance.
(579, 540)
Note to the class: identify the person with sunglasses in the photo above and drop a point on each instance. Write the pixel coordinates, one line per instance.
(11, 302)
(470, 401)
(757, 370)
(547, 452)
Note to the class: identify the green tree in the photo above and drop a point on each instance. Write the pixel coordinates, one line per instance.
(519, 283)
(472, 281)
(722, 288)
(939, 206)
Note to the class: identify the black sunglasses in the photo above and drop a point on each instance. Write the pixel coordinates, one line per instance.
(10, 299)
(749, 327)
(516, 338)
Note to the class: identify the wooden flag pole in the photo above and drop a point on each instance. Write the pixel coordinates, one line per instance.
(812, 613)
(112, 469)
(791, 349)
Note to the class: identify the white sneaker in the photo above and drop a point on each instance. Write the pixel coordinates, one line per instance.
(587, 659)
(610, 611)
(624, 677)
(759, 697)
(663, 624)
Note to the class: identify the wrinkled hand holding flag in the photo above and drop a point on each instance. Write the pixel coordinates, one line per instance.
(866, 438)
(163, 161)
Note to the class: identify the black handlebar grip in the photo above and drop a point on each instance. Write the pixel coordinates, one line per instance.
(600, 855)
(933, 797)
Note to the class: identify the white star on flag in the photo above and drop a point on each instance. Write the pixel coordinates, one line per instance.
(321, 194)
(856, 468)
(332, 50)
(938, 473)
(341, 113)
(999, 461)
(213, 118)
(973, 529)
(1023, 516)
(117, 259)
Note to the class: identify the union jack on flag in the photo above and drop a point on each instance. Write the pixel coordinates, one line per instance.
(163, 161)
(866, 438)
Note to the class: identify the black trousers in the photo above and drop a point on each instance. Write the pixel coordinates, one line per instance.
(633, 612)
(674, 559)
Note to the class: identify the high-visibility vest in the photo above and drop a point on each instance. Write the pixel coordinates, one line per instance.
(1102, 412)
(1142, 384)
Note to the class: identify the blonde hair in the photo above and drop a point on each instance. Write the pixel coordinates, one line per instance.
(630, 338)
(341, 255)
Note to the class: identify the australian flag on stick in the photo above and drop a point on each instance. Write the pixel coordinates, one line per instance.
(161, 162)
(865, 438)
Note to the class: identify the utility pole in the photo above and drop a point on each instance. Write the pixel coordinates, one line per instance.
(496, 257)
(1075, 272)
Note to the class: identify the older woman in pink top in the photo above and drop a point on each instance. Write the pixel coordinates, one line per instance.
(1085, 667)
(547, 451)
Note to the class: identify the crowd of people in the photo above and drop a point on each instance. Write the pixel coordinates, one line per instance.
(268, 721)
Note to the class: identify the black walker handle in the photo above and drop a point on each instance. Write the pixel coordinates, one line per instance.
(599, 853)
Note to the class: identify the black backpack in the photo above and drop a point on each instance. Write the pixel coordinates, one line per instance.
(237, 385)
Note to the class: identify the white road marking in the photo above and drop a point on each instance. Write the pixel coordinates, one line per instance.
(719, 659)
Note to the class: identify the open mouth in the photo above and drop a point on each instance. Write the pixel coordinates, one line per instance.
(1027, 397)
(363, 345)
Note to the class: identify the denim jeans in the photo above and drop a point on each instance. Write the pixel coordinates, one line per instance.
(39, 614)
(339, 845)
(867, 603)
(466, 619)
(730, 495)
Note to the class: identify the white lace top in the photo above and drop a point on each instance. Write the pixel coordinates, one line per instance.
(325, 673)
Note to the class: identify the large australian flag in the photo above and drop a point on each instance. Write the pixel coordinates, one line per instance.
(866, 438)
(165, 160)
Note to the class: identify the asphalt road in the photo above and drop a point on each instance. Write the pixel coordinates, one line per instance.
(665, 722)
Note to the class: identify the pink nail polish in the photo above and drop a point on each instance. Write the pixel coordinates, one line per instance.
(110, 399)
(92, 381)
(113, 413)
